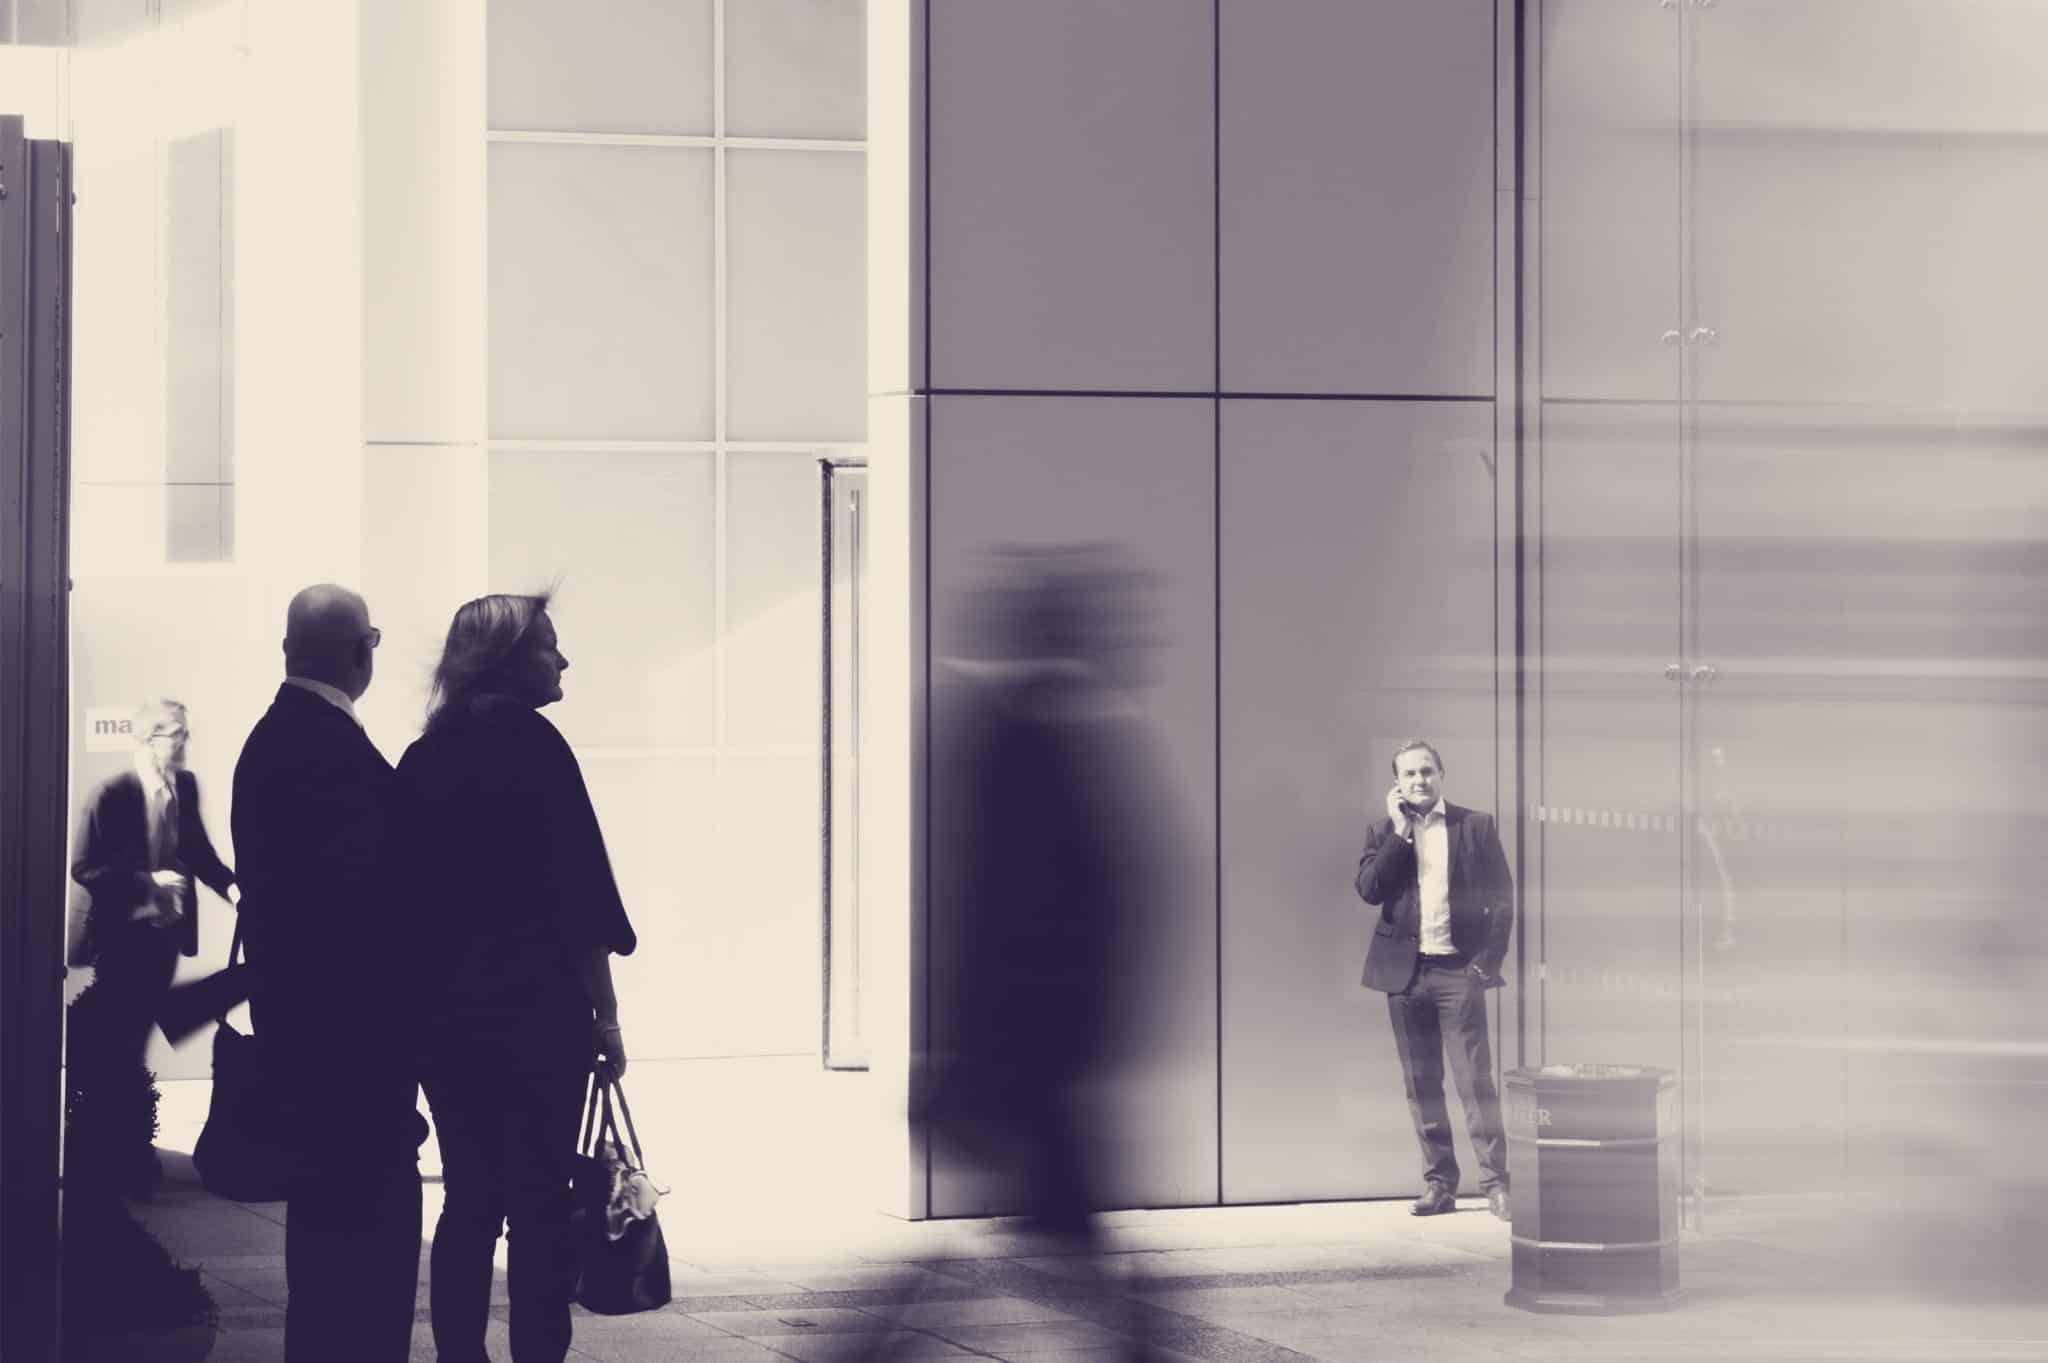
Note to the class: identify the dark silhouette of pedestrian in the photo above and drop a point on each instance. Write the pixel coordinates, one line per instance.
(1050, 830)
(335, 998)
(517, 915)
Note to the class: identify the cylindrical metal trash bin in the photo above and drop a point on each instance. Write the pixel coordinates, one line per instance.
(1593, 1178)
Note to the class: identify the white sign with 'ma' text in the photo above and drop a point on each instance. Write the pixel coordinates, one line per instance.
(109, 728)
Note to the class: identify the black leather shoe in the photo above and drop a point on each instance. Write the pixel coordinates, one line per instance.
(1436, 1199)
(1497, 1203)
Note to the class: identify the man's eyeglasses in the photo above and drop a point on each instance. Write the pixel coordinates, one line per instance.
(374, 637)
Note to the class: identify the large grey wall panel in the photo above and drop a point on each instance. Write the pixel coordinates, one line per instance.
(1139, 473)
(1072, 182)
(1357, 196)
(1357, 575)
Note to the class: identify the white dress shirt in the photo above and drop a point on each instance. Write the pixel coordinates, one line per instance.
(333, 695)
(156, 795)
(1433, 877)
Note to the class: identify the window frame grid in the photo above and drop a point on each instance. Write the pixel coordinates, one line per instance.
(719, 141)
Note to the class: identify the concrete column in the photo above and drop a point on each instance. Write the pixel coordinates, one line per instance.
(893, 723)
(423, 487)
(298, 319)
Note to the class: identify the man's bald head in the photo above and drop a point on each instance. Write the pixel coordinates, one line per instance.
(328, 638)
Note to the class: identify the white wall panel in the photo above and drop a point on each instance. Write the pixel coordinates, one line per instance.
(774, 611)
(1357, 211)
(600, 293)
(1357, 579)
(795, 324)
(623, 66)
(796, 68)
(1138, 474)
(424, 228)
(1072, 194)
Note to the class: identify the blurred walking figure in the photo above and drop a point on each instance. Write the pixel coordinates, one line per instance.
(1447, 904)
(140, 844)
(517, 917)
(1050, 828)
(335, 1003)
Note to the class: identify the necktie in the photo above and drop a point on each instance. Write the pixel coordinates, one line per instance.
(167, 835)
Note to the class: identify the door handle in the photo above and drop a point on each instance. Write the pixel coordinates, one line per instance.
(1705, 672)
(1673, 672)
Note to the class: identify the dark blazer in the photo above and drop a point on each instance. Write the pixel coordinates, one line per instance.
(335, 995)
(111, 859)
(1482, 898)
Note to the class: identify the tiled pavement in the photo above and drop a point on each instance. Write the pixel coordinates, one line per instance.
(1341, 1283)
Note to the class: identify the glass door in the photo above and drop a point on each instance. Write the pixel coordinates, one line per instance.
(1864, 493)
(1604, 915)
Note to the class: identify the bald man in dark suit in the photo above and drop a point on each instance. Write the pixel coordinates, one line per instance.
(333, 1003)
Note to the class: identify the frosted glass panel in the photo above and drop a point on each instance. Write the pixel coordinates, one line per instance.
(197, 527)
(199, 357)
(773, 613)
(601, 295)
(796, 337)
(627, 66)
(796, 68)
(1609, 266)
(629, 537)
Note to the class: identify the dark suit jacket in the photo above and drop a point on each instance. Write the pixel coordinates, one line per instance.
(1482, 898)
(111, 859)
(335, 996)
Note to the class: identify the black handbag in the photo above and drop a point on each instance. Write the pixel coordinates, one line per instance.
(239, 1154)
(624, 1266)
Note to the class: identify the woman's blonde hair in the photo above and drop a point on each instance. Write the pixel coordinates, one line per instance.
(486, 642)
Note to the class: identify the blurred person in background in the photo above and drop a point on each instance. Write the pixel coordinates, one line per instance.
(1055, 865)
(1438, 876)
(517, 916)
(140, 844)
(335, 1002)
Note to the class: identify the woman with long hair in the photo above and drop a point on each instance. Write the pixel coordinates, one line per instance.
(519, 917)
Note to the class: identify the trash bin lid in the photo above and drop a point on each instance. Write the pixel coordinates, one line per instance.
(1597, 1071)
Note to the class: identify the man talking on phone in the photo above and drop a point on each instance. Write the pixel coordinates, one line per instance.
(1440, 880)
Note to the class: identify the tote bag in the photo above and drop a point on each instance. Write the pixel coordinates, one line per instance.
(623, 1257)
(239, 1155)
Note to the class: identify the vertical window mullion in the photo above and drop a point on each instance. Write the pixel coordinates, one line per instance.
(720, 371)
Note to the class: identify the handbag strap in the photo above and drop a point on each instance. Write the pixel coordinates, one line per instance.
(596, 1127)
(639, 1160)
(235, 949)
(590, 1127)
